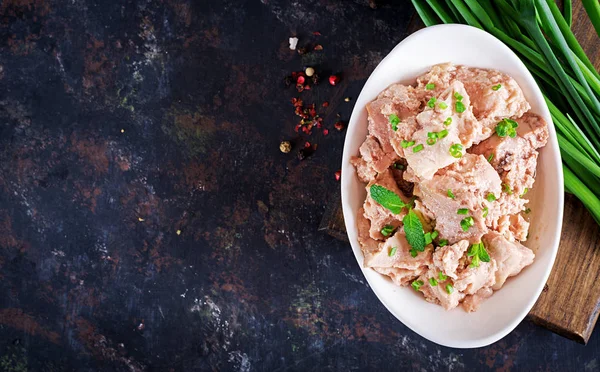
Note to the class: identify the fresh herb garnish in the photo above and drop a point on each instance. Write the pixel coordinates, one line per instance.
(418, 147)
(433, 282)
(430, 86)
(428, 238)
(442, 277)
(406, 144)
(431, 141)
(456, 150)
(443, 105)
(392, 251)
(466, 223)
(490, 158)
(431, 102)
(387, 230)
(394, 120)
(449, 288)
(443, 133)
(527, 210)
(479, 253)
(435, 234)
(485, 212)
(463, 211)
(490, 197)
(448, 121)
(451, 194)
(413, 229)
(524, 192)
(496, 87)
(507, 127)
(506, 188)
(460, 107)
(458, 96)
(417, 284)
(443, 243)
(387, 198)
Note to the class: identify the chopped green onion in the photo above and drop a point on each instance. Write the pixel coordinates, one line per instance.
(456, 150)
(485, 211)
(387, 230)
(497, 87)
(428, 238)
(450, 194)
(431, 102)
(394, 121)
(430, 86)
(528, 210)
(458, 96)
(443, 105)
(449, 288)
(490, 197)
(392, 251)
(418, 148)
(524, 192)
(406, 144)
(433, 282)
(459, 107)
(443, 243)
(435, 234)
(443, 133)
(463, 211)
(507, 128)
(442, 277)
(448, 121)
(431, 141)
(432, 135)
(506, 188)
(490, 158)
(466, 223)
(417, 284)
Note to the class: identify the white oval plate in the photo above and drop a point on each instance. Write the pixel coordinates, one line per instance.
(501, 313)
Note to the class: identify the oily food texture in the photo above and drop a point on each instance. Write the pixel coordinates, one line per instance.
(448, 162)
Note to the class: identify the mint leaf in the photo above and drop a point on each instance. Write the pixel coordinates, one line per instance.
(387, 198)
(413, 228)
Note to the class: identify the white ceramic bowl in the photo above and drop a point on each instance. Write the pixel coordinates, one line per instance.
(501, 313)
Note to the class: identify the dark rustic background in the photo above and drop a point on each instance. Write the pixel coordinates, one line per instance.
(124, 122)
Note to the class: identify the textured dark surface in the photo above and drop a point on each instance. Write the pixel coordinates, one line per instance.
(93, 275)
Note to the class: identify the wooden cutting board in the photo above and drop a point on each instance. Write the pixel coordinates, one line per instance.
(570, 300)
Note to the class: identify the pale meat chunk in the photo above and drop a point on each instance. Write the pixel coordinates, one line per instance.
(401, 258)
(511, 257)
(470, 180)
(515, 160)
(462, 130)
(405, 131)
(513, 227)
(405, 100)
(378, 215)
(437, 294)
(401, 277)
(447, 258)
(367, 244)
(472, 302)
(375, 157)
(472, 279)
(364, 171)
(534, 129)
(491, 106)
(506, 204)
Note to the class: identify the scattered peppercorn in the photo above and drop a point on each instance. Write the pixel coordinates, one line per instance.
(338, 175)
(316, 33)
(285, 146)
(325, 104)
(300, 79)
(318, 47)
(325, 132)
(306, 144)
(339, 125)
(333, 79)
(347, 99)
(309, 71)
